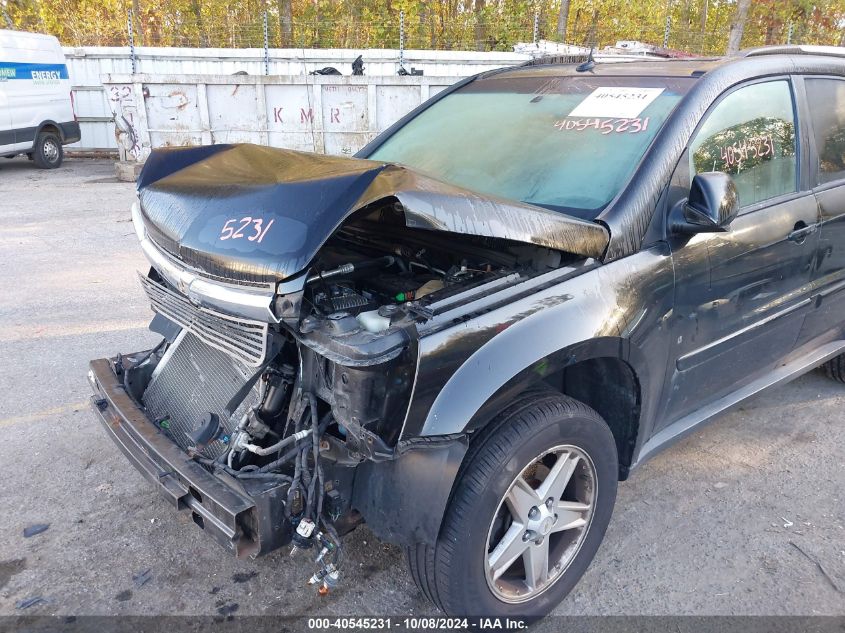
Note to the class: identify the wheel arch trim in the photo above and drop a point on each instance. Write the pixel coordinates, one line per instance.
(553, 368)
(49, 123)
(522, 365)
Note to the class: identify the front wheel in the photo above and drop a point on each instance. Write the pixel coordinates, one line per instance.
(47, 151)
(528, 513)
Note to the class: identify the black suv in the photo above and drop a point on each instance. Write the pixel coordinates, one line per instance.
(467, 334)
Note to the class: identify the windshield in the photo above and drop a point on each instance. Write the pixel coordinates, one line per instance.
(566, 143)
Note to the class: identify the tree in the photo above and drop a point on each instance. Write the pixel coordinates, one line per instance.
(479, 25)
(286, 23)
(738, 26)
(444, 24)
(138, 22)
(563, 19)
(6, 15)
(196, 9)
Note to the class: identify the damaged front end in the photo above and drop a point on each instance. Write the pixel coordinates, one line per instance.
(290, 290)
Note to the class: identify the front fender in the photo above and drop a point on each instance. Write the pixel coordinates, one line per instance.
(619, 309)
(470, 371)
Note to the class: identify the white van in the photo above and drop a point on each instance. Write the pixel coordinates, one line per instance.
(36, 104)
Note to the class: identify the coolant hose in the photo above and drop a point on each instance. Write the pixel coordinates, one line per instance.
(275, 448)
(284, 459)
(249, 474)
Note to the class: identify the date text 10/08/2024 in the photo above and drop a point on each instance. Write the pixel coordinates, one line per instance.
(417, 624)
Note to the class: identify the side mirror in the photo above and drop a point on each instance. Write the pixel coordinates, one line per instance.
(712, 205)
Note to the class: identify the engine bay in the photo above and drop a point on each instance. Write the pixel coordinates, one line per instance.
(375, 264)
(333, 382)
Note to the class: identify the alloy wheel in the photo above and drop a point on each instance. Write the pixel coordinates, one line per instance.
(540, 524)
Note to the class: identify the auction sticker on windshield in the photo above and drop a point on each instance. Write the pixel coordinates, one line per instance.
(616, 102)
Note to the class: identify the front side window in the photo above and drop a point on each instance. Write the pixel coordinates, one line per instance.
(827, 112)
(566, 143)
(750, 135)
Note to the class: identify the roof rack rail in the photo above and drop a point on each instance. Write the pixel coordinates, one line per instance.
(557, 59)
(794, 49)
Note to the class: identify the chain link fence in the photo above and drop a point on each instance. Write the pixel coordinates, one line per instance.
(465, 34)
(251, 25)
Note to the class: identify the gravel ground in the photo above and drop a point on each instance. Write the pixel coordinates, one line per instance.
(744, 517)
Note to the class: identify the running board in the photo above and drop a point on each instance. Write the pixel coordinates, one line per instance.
(783, 374)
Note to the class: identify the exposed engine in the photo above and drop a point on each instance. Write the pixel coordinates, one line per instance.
(375, 263)
(331, 385)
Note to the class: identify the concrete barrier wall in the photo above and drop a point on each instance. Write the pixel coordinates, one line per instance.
(88, 65)
(331, 114)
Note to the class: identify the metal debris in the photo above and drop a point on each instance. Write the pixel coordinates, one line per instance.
(37, 528)
(26, 603)
(820, 566)
(142, 578)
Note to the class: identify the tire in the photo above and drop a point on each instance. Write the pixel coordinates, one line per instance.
(835, 368)
(456, 573)
(47, 151)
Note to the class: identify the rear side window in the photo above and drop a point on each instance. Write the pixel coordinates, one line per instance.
(750, 134)
(827, 112)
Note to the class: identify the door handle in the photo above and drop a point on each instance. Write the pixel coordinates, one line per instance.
(801, 231)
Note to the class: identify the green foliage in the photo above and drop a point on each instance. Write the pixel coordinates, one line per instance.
(698, 26)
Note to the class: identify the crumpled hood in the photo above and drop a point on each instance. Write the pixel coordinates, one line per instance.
(259, 214)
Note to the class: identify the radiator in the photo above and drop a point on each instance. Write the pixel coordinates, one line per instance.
(192, 379)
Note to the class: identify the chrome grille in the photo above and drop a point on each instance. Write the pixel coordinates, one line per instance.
(242, 339)
(193, 379)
